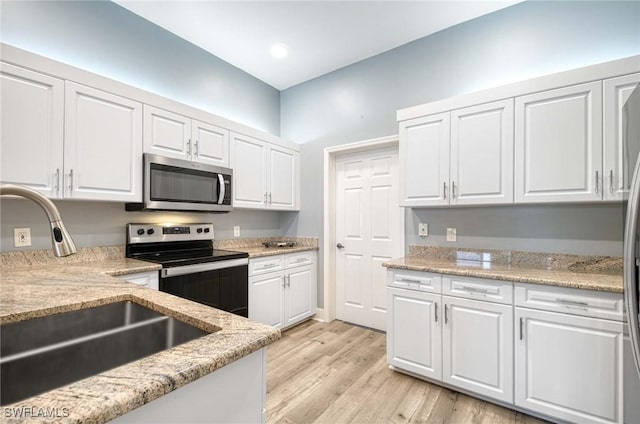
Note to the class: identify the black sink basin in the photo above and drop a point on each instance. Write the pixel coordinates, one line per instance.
(42, 354)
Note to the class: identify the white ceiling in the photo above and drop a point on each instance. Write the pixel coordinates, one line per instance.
(321, 36)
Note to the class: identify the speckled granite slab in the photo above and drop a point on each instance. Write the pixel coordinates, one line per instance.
(585, 272)
(255, 248)
(35, 289)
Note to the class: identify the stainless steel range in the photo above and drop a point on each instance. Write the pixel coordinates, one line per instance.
(191, 267)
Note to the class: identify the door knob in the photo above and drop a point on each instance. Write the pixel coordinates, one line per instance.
(340, 246)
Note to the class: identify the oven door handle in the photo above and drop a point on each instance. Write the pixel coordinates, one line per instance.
(209, 266)
(222, 189)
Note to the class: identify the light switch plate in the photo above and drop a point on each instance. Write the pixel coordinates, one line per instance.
(236, 231)
(423, 229)
(451, 234)
(21, 237)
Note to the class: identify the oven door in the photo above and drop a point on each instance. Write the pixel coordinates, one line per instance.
(222, 285)
(174, 184)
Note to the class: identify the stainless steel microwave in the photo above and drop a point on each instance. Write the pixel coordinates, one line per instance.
(180, 185)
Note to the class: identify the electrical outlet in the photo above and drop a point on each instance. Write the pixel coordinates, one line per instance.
(451, 234)
(21, 237)
(236, 231)
(423, 229)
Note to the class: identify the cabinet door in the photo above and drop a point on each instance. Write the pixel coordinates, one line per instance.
(558, 145)
(477, 347)
(166, 133)
(283, 166)
(414, 333)
(616, 93)
(569, 367)
(299, 295)
(32, 116)
(211, 144)
(424, 161)
(103, 145)
(482, 154)
(266, 297)
(249, 163)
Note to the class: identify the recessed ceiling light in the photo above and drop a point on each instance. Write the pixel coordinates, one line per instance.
(279, 51)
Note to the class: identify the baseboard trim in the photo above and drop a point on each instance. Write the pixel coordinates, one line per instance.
(319, 316)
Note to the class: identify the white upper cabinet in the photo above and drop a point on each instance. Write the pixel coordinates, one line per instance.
(282, 165)
(249, 163)
(482, 154)
(424, 159)
(617, 174)
(102, 145)
(166, 133)
(558, 145)
(265, 176)
(211, 143)
(32, 117)
(173, 135)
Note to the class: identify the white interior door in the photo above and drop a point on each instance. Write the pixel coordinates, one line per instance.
(370, 225)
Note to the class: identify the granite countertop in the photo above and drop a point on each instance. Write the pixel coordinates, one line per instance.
(33, 287)
(256, 249)
(582, 272)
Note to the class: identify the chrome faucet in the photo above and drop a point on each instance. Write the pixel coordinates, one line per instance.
(60, 239)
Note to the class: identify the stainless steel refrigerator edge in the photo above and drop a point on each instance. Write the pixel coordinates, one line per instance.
(631, 134)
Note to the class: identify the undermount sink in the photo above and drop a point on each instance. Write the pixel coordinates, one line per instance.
(42, 354)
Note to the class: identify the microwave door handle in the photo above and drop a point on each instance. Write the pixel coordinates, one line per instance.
(222, 189)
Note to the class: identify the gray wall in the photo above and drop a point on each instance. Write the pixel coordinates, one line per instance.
(104, 38)
(526, 40)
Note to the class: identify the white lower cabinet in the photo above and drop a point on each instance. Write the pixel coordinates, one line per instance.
(478, 347)
(569, 367)
(414, 336)
(282, 289)
(551, 351)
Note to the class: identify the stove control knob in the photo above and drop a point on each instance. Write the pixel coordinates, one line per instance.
(199, 230)
(150, 231)
(140, 231)
(206, 230)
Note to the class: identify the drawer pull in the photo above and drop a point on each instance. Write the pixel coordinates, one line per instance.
(408, 280)
(446, 313)
(475, 290)
(297, 261)
(520, 328)
(572, 302)
(436, 308)
(269, 266)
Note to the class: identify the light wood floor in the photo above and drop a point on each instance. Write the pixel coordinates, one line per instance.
(337, 373)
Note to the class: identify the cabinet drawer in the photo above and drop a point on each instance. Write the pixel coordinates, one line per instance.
(590, 303)
(478, 288)
(264, 265)
(415, 280)
(298, 259)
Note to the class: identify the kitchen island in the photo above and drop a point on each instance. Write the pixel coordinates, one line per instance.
(34, 284)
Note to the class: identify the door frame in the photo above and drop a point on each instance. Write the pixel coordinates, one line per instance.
(328, 313)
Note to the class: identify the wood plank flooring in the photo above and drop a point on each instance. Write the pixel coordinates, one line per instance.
(337, 373)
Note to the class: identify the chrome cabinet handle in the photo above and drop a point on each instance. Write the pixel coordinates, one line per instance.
(195, 148)
(597, 181)
(408, 280)
(611, 181)
(340, 246)
(520, 328)
(57, 180)
(444, 190)
(446, 313)
(475, 290)
(571, 302)
(71, 180)
(284, 281)
(436, 312)
(269, 198)
(189, 147)
(453, 189)
(269, 266)
(265, 198)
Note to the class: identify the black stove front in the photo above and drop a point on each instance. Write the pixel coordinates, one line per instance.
(191, 267)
